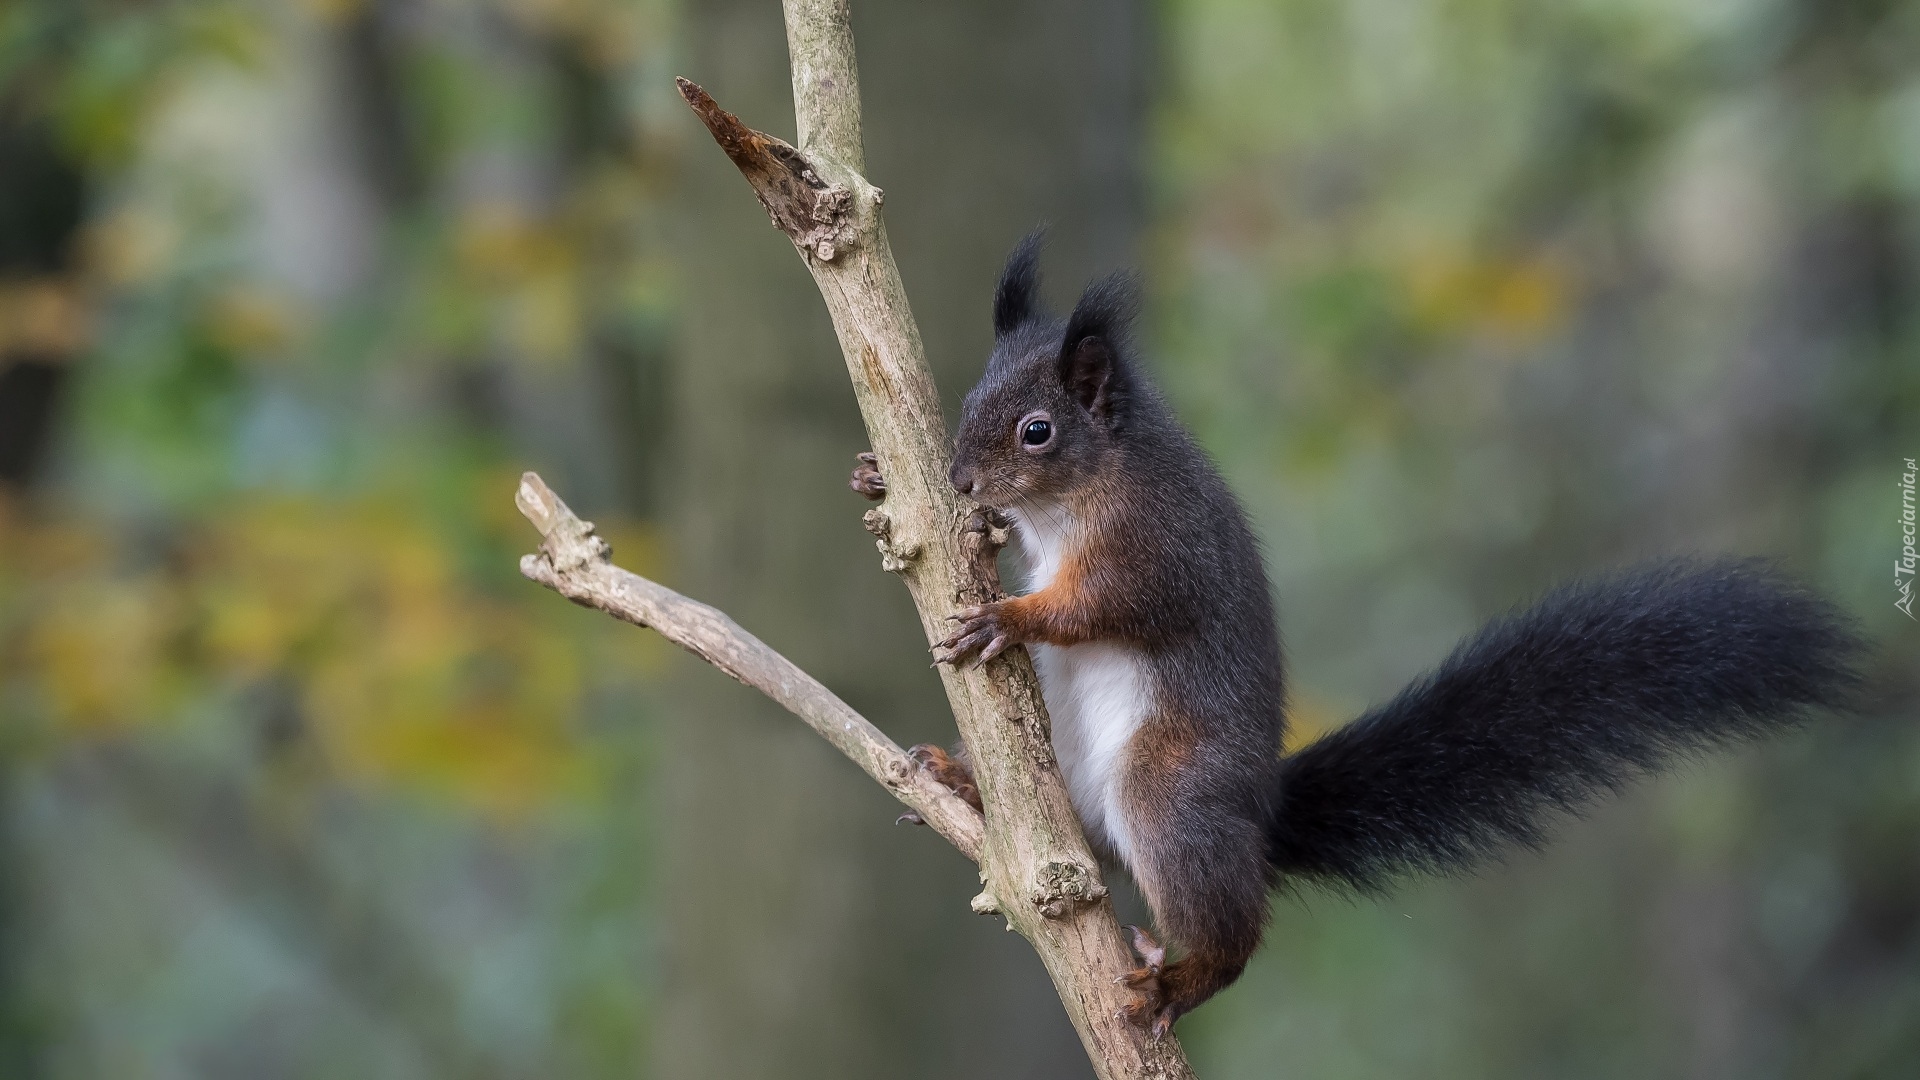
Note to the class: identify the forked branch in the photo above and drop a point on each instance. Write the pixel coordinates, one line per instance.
(576, 563)
(1038, 871)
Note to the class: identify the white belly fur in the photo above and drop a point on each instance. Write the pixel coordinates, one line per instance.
(1097, 695)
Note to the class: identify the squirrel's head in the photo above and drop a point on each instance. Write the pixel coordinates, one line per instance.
(1048, 414)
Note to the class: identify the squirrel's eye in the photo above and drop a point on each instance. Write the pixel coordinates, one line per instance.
(1036, 433)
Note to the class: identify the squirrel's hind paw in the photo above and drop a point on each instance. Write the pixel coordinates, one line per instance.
(947, 770)
(1149, 1008)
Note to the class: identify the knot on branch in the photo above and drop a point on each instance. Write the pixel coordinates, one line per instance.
(982, 535)
(1063, 887)
(569, 543)
(894, 556)
(816, 214)
(987, 531)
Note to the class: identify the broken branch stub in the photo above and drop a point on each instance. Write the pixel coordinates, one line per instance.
(815, 213)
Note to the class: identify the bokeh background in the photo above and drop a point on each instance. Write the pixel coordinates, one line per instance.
(299, 779)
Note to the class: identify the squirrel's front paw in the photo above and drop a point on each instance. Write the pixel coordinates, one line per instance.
(866, 477)
(982, 628)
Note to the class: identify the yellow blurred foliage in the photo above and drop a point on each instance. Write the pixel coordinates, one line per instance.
(610, 32)
(130, 246)
(1521, 300)
(46, 316)
(405, 672)
(251, 320)
(533, 269)
(333, 12)
(105, 644)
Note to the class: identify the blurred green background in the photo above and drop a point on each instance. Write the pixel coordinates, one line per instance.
(298, 778)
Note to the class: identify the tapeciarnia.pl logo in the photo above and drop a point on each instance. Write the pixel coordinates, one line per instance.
(1904, 565)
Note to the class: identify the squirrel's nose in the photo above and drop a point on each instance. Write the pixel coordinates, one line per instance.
(961, 478)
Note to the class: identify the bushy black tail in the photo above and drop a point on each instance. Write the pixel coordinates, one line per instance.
(1547, 708)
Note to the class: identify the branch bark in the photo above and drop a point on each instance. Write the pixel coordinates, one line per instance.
(1038, 870)
(577, 564)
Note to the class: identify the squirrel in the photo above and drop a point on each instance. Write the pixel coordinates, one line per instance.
(1151, 625)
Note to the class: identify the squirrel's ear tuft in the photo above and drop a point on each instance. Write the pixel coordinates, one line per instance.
(1016, 300)
(1090, 356)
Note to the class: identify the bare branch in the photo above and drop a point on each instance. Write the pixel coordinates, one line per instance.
(577, 564)
(1039, 872)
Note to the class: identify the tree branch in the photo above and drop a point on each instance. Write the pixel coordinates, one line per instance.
(577, 564)
(1038, 870)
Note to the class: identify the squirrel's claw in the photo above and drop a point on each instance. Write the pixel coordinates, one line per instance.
(866, 477)
(980, 628)
(949, 770)
(1148, 1004)
(1149, 1008)
(994, 648)
(1146, 948)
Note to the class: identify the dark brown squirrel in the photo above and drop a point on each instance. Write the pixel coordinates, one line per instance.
(1152, 628)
